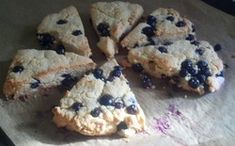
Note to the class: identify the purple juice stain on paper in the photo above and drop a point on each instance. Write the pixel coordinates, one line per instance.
(161, 124)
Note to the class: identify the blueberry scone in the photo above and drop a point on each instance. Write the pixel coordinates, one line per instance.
(193, 66)
(111, 21)
(64, 31)
(101, 103)
(161, 26)
(34, 71)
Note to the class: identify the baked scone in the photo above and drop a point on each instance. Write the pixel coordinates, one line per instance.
(101, 103)
(34, 71)
(193, 66)
(112, 20)
(64, 31)
(161, 26)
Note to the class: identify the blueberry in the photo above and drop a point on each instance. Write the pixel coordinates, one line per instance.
(221, 74)
(45, 40)
(18, 69)
(68, 82)
(199, 51)
(183, 72)
(193, 28)
(117, 67)
(187, 64)
(162, 49)
(95, 112)
(167, 43)
(98, 73)
(190, 37)
(61, 21)
(116, 73)
(151, 20)
(194, 82)
(148, 31)
(106, 100)
(146, 81)
(132, 109)
(121, 125)
(76, 106)
(201, 78)
(137, 67)
(192, 71)
(35, 84)
(217, 47)
(103, 29)
(60, 49)
(180, 24)
(196, 43)
(202, 64)
(77, 32)
(118, 105)
(206, 72)
(170, 18)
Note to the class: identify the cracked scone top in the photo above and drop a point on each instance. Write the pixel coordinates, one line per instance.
(161, 26)
(64, 31)
(34, 71)
(101, 103)
(111, 21)
(193, 66)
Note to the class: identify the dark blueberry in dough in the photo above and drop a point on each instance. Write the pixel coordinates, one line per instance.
(192, 71)
(106, 100)
(132, 109)
(217, 47)
(77, 32)
(45, 40)
(193, 28)
(98, 73)
(221, 74)
(167, 43)
(137, 67)
(162, 49)
(116, 73)
(190, 37)
(61, 21)
(118, 105)
(121, 126)
(18, 69)
(151, 20)
(202, 64)
(187, 64)
(60, 49)
(184, 72)
(146, 81)
(201, 78)
(196, 43)
(194, 82)
(118, 68)
(76, 106)
(103, 29)
(180, 24)
(95, 112)
(35, 84)
(148, 31)
(170, 18)
(199, 51)
(206, 72)
(68, 82)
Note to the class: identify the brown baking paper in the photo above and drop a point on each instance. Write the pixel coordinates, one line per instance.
(174, 117)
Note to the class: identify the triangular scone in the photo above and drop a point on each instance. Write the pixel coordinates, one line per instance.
(64, 31)
(101, 103)
(34, 71)
(111, 21)
(193, 66)
(161, 26)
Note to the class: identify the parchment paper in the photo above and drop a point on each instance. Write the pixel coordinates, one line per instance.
(174, 117)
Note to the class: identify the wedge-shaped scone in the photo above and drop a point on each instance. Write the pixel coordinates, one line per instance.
(161, 26)
(112, 20)
(34, 71)
(101, 103)
(193, 66)
(64, 31)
